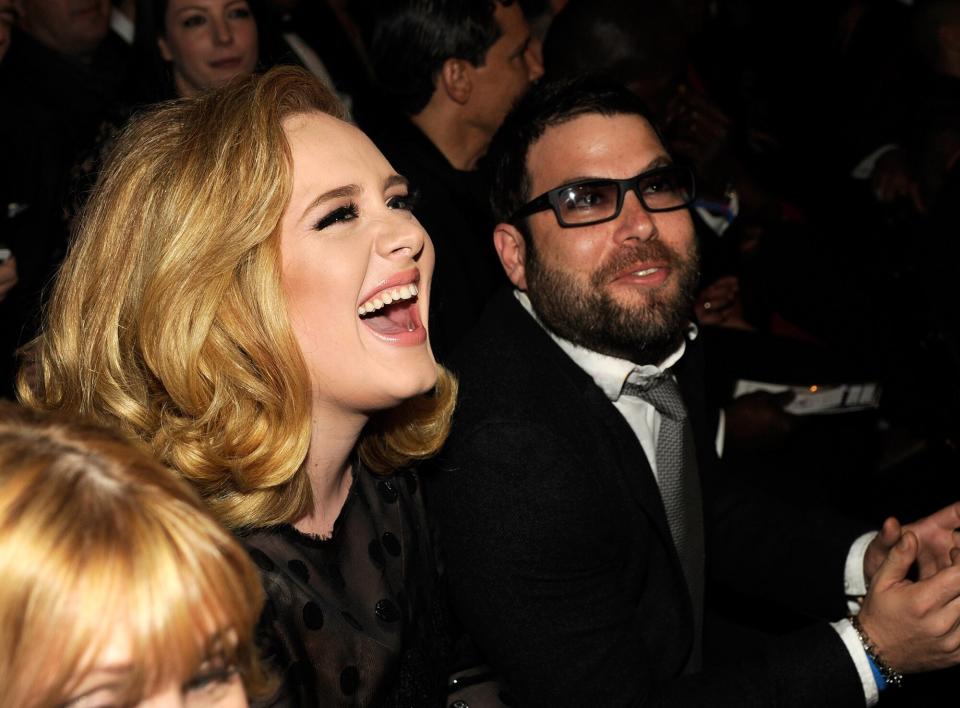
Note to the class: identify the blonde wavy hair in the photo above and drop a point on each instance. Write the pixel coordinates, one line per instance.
(168, 321)
(97, 538)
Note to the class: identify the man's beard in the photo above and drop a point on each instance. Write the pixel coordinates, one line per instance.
(644, 333)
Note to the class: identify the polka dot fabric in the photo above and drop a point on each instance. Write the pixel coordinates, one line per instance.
(354, 620)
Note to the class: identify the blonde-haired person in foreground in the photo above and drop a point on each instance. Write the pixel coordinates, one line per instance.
(118, 587)
(247, 294)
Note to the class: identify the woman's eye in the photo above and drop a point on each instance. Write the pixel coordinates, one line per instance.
(239, 13)
(407, 202)
(193, 21)
(345, 213)
(210, 680)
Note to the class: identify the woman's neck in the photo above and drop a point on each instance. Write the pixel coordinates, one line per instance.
(333, 436)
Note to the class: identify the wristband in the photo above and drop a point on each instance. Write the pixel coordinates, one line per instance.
(889, 676)
(877, 674)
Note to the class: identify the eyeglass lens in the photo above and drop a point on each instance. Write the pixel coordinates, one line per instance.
(595, 201)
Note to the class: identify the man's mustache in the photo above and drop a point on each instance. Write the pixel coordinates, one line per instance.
(642, 252)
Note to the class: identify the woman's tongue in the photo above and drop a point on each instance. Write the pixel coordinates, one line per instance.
(392, 319)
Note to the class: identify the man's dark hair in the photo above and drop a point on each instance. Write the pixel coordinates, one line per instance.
(547, 104)
(413, 38)
(626, 39)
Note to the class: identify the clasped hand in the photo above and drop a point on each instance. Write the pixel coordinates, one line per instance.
(915, 624)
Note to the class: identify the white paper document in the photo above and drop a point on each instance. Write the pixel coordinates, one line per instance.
(819, 399)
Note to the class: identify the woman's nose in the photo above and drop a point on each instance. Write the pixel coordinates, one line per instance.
(401, 237)
(222, 33)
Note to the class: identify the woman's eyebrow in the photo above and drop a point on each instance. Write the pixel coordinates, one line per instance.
(191, 8)
(348, 190)
(395, 180)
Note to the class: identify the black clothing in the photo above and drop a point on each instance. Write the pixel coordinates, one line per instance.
(354, 619)
(30, 223)
(53, 107)
(319, 27)
(559, 561)
(75, 95)
(453, 209)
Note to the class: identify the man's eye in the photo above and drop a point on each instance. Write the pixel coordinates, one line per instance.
(661, 183)
(407, 202)
(581, 199)
(348, 212)
(193, 21)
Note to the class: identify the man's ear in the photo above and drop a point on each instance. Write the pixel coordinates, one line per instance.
(455, 80)
(512, 249)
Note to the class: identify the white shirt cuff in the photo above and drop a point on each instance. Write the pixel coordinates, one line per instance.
(721, 432)
(850, 639)
(854, 582)
(864, 168)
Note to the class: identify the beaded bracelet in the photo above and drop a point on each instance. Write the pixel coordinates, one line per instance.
(891, 676)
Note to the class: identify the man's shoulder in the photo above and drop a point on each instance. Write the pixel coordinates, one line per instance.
(511, 370)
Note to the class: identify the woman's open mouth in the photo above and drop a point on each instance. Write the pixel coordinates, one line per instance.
(393, 314)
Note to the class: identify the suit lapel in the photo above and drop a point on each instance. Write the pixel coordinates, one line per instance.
(575, 390)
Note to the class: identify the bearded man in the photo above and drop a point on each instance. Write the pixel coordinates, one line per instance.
(578, 500)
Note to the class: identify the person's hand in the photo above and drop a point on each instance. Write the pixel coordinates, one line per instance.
(8, 276)
(719, 304)
(915, 625)
(757, 421)
(893, 179)
(937, 535)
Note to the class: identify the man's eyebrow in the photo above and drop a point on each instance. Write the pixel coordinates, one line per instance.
(347, 190)
(659, 161)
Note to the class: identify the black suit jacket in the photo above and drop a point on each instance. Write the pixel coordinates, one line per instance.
(559, 560)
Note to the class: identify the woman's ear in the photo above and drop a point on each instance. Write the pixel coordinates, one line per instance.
(512, 250)
(164, 49)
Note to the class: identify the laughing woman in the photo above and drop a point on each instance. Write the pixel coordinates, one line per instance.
(248, 294)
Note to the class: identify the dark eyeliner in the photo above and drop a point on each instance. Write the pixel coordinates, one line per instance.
(221, 675)
(344, 213)
(411, 200)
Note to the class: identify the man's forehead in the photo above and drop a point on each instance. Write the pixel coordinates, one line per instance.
(511, 22)
(593, 145)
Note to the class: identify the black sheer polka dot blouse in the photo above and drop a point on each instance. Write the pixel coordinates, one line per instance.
(354, 620)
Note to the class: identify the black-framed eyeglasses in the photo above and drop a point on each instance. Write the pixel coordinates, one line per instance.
(593, 201)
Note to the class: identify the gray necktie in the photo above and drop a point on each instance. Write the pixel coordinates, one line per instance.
(679, 485)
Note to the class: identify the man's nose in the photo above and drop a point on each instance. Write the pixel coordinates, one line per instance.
(635, 222)
(533, 58)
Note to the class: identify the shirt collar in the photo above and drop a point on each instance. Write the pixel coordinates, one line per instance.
(608, 372)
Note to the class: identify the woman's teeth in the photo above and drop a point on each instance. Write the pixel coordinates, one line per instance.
(404, 292)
